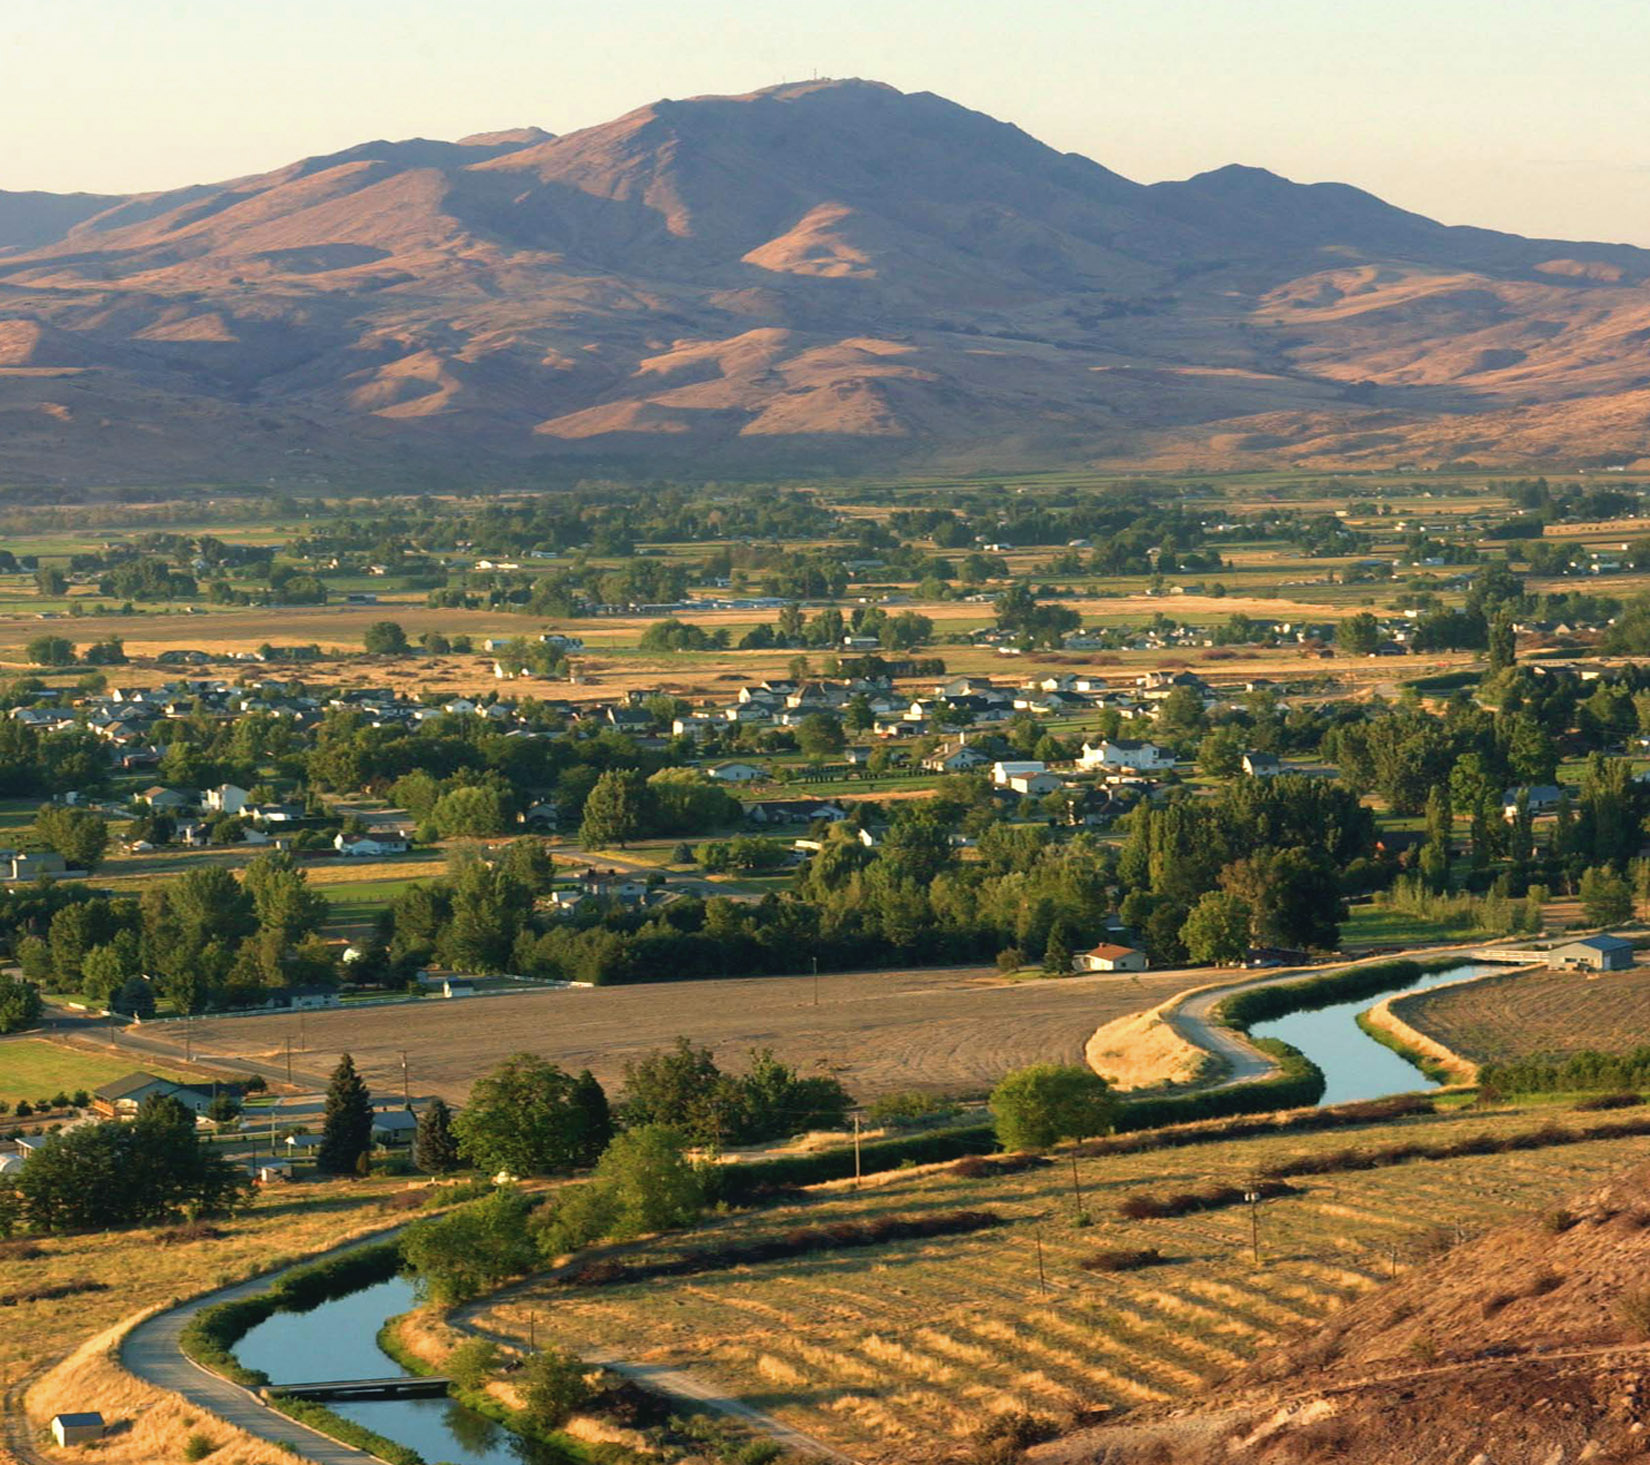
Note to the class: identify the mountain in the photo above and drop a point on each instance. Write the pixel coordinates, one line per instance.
(830, 275)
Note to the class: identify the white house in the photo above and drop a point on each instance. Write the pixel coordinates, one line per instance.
(226, 798)
(736, 773)
(1035, 785)
(367, 846)
(1124, 753)
(1107, 957)
(1261, 765)
(1002, 771)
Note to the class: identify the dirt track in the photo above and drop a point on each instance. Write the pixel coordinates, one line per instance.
(958, 1029)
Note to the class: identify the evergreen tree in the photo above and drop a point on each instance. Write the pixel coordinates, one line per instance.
(435, 1151)
(347, 1132)
(592, 1118)
(1057, 954)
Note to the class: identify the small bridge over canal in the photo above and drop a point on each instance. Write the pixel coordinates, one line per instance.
(397, 1388)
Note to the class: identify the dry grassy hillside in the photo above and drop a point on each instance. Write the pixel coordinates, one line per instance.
(1525, 1344)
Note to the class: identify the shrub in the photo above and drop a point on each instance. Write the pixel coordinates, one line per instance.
(799, 1241)
(1633, 1309)
(1599, 1102)
(1122, 1260)
(553, 1385)
(197, 1447)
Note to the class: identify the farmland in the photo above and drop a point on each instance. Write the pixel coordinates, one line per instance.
(892, 1352)
(1535, 1015)
(33, 1068)
(957, 1030)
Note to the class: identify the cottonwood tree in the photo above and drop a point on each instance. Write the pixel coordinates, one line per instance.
(523, 1119)
(1036, 1107)
(79, 835)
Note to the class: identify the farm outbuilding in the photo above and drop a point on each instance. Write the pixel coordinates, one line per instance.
(77, 1429)
(1111, 958)
(1596, 953)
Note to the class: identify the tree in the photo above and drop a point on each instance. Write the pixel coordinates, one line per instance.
(20, 1006)
(1359, 635)
(385, 638)
(613, 811)
(435, 1148)
(647, 1182)
(50, 651)
(820, 735)
(136, 998)
(472, 1249)
(554, 1385)
(1220, 754)
(1036, 1107)
(1293, 896)
(1057, 953)
(681, 1088)
(79, 835)
(593, 1118)
(346, 1134)
(472, 813)
(1606, 897)
(521, 1120)
(1217, 930)
(149, 1170)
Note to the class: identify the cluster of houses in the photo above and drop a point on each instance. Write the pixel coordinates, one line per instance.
(292, 1123)
(971, 701)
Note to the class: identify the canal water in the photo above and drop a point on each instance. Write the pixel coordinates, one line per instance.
(1354, 1065)
(337, 1340)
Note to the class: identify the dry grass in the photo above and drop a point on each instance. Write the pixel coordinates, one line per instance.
(1535, 1014)
(957, 1029)
(888, 1351)
(1142, 1051)
(287, 1222)
(147, 1424)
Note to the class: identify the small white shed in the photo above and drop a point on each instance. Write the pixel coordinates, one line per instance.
(77, 1429)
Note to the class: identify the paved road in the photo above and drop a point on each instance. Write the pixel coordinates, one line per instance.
(152, 1352)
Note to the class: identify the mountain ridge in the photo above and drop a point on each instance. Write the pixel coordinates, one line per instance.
(829, 275)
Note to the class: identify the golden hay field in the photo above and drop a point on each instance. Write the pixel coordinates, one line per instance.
(1536, 1014)
(957, 1029)
(131, 1271)
(885, 1351)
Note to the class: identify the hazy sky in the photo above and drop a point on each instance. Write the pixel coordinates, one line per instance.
(1531, 115)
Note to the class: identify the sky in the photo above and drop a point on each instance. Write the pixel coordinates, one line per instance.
(1528, 115)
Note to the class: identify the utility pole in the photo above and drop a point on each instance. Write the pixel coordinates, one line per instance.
(1042, 1276)
(289, 1058)
(1253, 1198)
(303, 1042)
(856, 1152)
(816, 981)
(406, 1092)
(1076, 1189)
(188, 1038)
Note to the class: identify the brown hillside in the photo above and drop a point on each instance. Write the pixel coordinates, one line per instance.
(1526, 1344)
(829, 273)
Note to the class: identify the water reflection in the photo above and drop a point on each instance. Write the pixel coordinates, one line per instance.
(338, 1340)
(1354, 1065)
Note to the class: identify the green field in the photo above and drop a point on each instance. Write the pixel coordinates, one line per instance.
(1374, 925)
(32, 1068)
